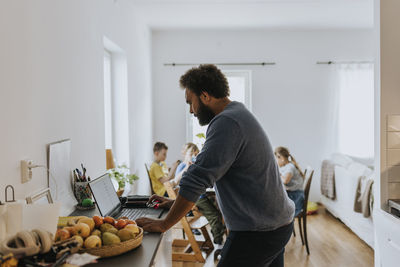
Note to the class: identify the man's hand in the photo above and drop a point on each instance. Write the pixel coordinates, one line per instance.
(180, 208)
(164, 203)
(151, 225)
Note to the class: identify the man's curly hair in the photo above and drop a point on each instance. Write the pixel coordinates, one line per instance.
(205, 78)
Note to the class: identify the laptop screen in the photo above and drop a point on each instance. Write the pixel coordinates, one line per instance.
(104, 194)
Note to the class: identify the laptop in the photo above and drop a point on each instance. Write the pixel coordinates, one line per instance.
(108, 202)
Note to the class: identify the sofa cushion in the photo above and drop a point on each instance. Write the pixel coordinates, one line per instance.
(359, 169)
(341, 160)
(369, 162)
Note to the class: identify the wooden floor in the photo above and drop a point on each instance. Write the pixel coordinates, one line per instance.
(331, 244)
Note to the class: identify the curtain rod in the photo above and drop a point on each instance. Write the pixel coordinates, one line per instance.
(343, 62)
(222, 64)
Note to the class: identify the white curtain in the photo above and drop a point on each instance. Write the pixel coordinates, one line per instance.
(355, 109)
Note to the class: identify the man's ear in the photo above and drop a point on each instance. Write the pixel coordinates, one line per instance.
(205, 97)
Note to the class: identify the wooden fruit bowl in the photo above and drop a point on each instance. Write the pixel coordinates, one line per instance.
(116, 249)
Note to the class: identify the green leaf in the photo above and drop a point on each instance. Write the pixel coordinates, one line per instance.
(201, 135)
(122, 176)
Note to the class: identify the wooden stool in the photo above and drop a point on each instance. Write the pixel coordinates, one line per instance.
(190, 249)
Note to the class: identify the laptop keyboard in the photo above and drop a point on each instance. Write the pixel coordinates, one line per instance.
(133, 214)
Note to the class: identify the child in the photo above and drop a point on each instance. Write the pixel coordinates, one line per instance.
(159, 171)
(189, 153)
(204, 204)
(292, 177)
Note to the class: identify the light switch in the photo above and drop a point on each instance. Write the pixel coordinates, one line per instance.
(393, 157)
(393, 123)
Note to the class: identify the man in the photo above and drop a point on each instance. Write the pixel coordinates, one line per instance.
(159, 171)
(238, 159)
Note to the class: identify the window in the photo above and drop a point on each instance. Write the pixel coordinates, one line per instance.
(356, 109)
(116, 119)
(107, 100)
(239, 85)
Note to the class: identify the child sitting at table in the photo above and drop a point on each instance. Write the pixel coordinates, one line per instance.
(292, 177)
(158, 172)
(189, 153)
(204, 203)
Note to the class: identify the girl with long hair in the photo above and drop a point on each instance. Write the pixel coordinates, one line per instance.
(292, 176)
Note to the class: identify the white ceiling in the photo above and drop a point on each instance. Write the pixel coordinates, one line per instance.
(238, 1)
(280, 14)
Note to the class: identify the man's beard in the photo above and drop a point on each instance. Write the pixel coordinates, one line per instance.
(204, 114)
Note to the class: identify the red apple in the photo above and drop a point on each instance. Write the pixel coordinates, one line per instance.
(62, 234)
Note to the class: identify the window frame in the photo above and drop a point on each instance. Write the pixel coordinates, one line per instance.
(108, 93)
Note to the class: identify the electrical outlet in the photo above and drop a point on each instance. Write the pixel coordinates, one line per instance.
(26, 173)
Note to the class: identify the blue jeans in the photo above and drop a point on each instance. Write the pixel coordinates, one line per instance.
(298, 198)
(256, 248)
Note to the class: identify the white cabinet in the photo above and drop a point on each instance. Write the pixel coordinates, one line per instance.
(388, 238)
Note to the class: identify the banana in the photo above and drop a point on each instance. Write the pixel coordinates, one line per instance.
(19, 243)
(45, 238)
(23, 242)
(30, 242)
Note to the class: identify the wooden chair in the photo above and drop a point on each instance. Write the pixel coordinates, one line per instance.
(148, 175)
(190, 249)
(302, 216)
(305, 175)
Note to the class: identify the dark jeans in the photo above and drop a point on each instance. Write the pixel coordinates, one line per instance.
(256, 249)
(298, 198)
(214, 218)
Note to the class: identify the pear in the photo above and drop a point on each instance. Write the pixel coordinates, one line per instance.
(110, 238)
(126, 234)
(105, 226)
(112, 230)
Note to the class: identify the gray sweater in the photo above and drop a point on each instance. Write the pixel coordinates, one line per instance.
(238, 159)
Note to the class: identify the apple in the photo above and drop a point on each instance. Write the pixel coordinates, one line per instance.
(96, 232)
(109, 220)
(82, 229)
(98, 220)
(121, 223)
(133, 227)
(70, 229)
(88, 221)
(93, 241)
(62, 234)
(79, 239)
(131, 222)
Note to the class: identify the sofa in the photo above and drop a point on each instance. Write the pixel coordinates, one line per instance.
(347, 172)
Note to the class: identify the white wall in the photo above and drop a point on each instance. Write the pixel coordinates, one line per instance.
(292, 100)
(283, 14)
(51, 84)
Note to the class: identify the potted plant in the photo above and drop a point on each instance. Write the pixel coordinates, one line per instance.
(202, 139)
(121, 175)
